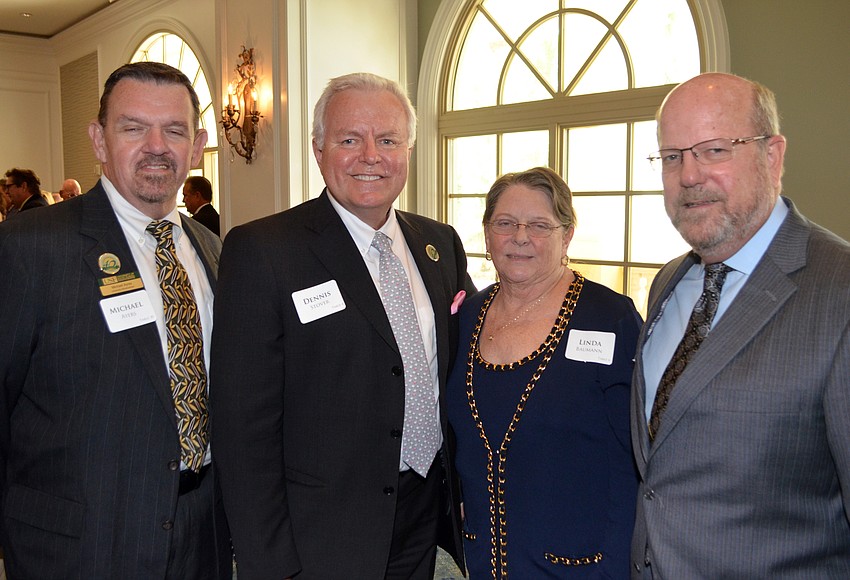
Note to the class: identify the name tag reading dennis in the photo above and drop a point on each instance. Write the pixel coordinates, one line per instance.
(318, 301)
(127, 311)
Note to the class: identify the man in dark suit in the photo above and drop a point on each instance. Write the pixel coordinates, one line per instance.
(197, 195)
(742, 441)
(313, 428)
(24, 187)
(98, 476)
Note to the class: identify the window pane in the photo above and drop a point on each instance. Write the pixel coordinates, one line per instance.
(541, 50)
(608, 9)
(644, 178)
(521, 151)
(514, 17)
(209, 121)
(601, 228)
(465, 215)
(480, 64)
(481, 271)
(581, 35)
(607, 73)
(521, 86)
(596, 158)
(662, 42)
(610, 276)
(640, 279)
(654, 240)
(473, 164)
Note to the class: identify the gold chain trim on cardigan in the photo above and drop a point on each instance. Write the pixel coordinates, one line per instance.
(495, 485)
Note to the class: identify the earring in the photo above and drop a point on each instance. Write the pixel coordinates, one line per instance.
(488, 256)
(565, 260)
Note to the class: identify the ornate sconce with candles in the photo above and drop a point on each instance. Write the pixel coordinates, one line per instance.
(242, 92)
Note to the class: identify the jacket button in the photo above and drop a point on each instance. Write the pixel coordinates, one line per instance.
(395, 433)
(389, 490)
(649, 495)
(396, 371)
(637, 566)
(167, 525)
(173, 465)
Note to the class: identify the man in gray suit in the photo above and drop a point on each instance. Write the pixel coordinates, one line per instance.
(743, 440)
(98, 398)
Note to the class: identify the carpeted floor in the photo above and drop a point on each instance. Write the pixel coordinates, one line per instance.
(446, 568)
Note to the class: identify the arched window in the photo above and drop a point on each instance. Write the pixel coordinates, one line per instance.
(574, 85)
(171, 49)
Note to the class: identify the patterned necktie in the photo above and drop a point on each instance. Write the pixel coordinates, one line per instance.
(185, 348)
(421, 433)
(697, 329)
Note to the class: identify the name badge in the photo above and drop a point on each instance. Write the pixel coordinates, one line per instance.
(591, 346)
(127, 311)
(120, 284)
(318, 301)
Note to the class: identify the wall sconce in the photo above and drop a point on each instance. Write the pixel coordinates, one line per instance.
(242, 92)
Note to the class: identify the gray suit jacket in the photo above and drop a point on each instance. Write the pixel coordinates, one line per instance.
(307, 418)
(89, 448)
(749, 475)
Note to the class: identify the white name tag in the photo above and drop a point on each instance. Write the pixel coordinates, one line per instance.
(127, 311)
(318, 301)
(591, 346)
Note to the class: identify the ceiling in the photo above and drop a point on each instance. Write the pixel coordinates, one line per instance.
(47, 17)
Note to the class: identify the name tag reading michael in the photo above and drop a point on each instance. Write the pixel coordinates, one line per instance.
(591, 346)
(127, 311)
(318, 301)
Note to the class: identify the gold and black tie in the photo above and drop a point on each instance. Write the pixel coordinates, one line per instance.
(186, 367)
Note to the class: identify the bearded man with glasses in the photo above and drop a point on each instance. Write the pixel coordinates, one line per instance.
(741, 399)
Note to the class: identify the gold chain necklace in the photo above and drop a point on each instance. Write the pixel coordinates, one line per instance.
(495, 485)
(527, 310)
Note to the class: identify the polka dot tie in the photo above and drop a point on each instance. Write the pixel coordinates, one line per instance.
(186, 367)
(421, 432)
(698, 327)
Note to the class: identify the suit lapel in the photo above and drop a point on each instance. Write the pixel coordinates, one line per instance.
(433, 277)
(208, 254)
(764, 294)
(99, 223)
(334, 248)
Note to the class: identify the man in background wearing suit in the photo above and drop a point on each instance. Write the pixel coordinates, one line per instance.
(104, 462)
(743, 440)
(197, 195)
(24, 187)
(316, 433)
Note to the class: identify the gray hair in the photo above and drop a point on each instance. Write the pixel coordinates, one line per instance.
(541, 179)
(364, 82)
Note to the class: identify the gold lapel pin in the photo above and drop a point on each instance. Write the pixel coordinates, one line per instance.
(432, 252)
(109, 264)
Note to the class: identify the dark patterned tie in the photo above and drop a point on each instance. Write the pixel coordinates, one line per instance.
(421, 433)
(185, 348)
(697, 329)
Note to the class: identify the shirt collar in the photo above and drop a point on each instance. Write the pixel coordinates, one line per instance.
(134, 221)
(361, 232)
(747, 258)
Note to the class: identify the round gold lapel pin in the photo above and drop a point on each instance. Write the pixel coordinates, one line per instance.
(432, 252)
(109, 264)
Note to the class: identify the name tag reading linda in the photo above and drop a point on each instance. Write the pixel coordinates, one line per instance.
(127, 311)
(318, 301)
(591, 346)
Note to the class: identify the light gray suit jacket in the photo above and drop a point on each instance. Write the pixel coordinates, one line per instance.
(749, 476)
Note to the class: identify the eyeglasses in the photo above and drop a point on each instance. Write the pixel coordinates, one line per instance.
(708, 152)
(510, 227)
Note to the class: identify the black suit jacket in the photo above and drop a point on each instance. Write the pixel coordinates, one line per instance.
(88, 435)
(209, 217)
(34, 201)
(307, 418)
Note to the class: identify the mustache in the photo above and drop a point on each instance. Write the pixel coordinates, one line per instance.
(150, 159)
(698, 194)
